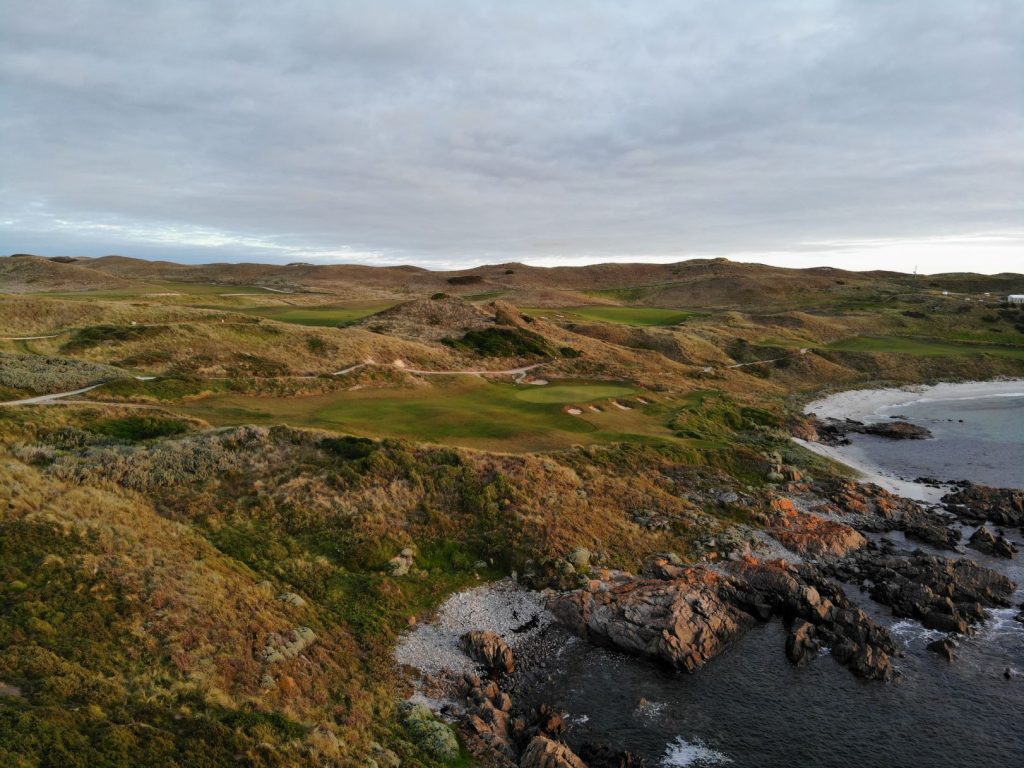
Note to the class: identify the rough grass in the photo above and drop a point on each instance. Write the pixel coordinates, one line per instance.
(922, 347)
(325, 316)
(139, 427)
(640, 316)
(44, 375)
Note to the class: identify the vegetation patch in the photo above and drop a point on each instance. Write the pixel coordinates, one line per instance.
(923, 347)
(502, 342)
(42, 375)
(163, 389)
(640, 316)
(95, 335)
(327, 316)
(139, 427)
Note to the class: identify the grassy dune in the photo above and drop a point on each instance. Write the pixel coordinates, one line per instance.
(924, 347)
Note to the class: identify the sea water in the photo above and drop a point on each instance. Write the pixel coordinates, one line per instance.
(751, 707)
(980, 439)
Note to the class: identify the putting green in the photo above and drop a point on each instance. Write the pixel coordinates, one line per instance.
(638, 316)
(573, 393)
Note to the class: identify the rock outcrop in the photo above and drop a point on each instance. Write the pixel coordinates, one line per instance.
(835, 431)
(687, 615)
(490, 650)
(683, 621)
(543, 752)
(995, 544)
(980, 503)
(948, 595)
(871, 508)
(811, 535)
(604, 756)
(804, 595)
(488, 717)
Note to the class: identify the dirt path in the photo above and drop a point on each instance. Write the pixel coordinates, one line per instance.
(518, 373)
(58, 398)
(773, 360)
(48, 399)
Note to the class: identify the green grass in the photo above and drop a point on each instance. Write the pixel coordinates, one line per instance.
(574, 393)
(499, 416)
(638, 316)
(139, 427)
(324, 316)
(921, 347)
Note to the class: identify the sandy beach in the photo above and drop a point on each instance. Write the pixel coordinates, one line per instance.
(878, 404)
(870, 405)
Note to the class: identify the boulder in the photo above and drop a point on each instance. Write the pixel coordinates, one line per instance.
(682, 622)
(402, 563)
(945, 647)
(489, 649)
(990, 543)
(543, 752)
(292, 599)
(800, 643)
(601, 755)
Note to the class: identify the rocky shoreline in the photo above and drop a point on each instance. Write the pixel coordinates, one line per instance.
(821, 543)
(684, 615)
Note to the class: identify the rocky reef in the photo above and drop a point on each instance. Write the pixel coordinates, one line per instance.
(980, 503)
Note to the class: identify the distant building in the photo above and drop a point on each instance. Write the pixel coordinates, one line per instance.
(1015, 298)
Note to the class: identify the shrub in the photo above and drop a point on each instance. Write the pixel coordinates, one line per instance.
(319, 345)
(139, 427)
(501, 342)
(94, 335)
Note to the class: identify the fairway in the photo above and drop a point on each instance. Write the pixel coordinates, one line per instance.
(638, 316)
(325, 316)
(921, 347)
(573, 393)
(478, 414)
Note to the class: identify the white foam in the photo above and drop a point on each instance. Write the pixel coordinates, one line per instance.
(683, 753)
(907, 631)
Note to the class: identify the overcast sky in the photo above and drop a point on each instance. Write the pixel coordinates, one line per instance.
(861, 134)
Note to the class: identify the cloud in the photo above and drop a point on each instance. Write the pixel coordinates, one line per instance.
(462, 132)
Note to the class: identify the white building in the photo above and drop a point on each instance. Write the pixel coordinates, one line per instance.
(1015, 298)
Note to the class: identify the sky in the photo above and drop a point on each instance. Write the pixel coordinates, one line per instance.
(853, 133)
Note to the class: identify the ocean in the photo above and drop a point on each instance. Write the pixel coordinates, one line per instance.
(980, 439)
(751, 707)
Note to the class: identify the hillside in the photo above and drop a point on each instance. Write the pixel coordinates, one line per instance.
(29, 274)
(209, 557)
